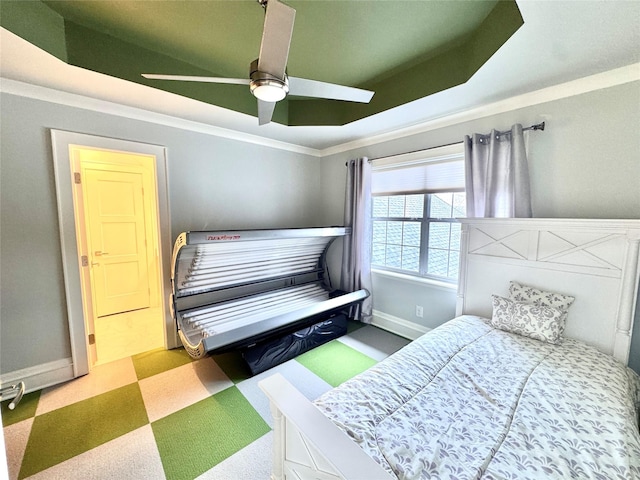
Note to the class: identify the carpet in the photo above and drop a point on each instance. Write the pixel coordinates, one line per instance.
(162, 414)
(190, 441)
(80, 429)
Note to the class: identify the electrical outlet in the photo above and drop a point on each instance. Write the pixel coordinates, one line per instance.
(419, 311)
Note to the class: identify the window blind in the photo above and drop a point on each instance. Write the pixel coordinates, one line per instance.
(435, 170)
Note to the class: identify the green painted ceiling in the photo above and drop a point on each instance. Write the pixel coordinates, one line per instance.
(402, 50)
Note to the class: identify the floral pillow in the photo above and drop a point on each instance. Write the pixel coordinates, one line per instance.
(542, 298)
(529, 320)
(527, 294)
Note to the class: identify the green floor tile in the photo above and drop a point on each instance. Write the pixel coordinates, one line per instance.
(69, 431)
(335, 362)
(195, 439)
(25, 409)
(157, 361)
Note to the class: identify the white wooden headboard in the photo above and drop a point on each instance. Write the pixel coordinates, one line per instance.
(596, 261)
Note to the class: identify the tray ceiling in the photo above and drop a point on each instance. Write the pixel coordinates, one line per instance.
(564, 48)
(403, 50)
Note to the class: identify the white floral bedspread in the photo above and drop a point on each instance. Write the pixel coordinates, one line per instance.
(466, 401)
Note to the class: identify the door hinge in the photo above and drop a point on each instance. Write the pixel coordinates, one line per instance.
(76, 177)
(92, 339)
(85, 260)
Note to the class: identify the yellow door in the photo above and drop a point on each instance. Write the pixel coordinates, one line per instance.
(117, 238)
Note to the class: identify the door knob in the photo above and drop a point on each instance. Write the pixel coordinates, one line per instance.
(99, 253)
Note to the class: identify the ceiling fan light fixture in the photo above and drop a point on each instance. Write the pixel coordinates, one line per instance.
(269, 90)
(267, 87)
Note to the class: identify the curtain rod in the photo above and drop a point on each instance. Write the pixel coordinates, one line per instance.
(537, 126)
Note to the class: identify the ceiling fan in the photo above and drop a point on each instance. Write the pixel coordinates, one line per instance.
(268, 80)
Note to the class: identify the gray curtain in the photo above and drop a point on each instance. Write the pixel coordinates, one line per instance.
(356, 256)
(497, 175)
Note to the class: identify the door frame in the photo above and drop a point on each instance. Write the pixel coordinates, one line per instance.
(75, 275)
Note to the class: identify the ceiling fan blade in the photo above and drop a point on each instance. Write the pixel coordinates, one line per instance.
(190, 78)
(276, 38)
(265, 111)
(313, 88)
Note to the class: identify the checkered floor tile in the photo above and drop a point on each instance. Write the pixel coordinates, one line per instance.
(162, 414)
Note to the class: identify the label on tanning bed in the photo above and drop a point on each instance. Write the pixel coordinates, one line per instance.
(223, 237)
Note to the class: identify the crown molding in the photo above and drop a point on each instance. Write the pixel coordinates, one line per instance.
(22, 89)
(611, 78)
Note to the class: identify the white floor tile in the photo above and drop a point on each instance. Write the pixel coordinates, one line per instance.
(251, 463)
(134, 455)
(101, 379)
(16, 437)
(308, 383)
(173, 390)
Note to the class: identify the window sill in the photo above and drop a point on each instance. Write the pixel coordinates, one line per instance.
(414, 279)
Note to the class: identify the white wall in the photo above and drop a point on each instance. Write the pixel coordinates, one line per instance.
(214, 183)
(586, 164)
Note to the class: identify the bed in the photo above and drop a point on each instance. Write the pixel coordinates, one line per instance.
(528, 381)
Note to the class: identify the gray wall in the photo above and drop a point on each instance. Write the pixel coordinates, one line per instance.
(586, 164)
(214, 183)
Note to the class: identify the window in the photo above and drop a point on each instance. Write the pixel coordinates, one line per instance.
(416, 200)
(418, 233)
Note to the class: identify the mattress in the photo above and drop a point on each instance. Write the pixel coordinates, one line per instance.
(467, 401)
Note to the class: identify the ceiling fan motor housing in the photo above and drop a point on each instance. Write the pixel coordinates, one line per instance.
(267, 87)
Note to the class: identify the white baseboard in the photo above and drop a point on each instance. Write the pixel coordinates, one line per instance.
(40, 376)
(398, 325)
